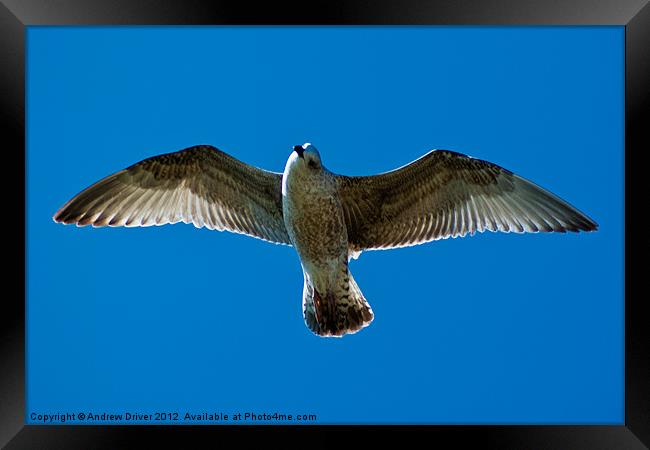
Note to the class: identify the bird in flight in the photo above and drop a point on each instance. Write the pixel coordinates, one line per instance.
(328, 218)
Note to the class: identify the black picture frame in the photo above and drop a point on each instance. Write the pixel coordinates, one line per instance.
(16, 15)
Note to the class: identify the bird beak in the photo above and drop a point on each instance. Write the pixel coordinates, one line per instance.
(298, 149)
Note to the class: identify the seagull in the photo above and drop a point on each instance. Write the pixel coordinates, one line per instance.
(328, 218)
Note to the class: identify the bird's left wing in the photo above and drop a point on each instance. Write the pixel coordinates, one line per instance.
(200, 185)
(447, 194)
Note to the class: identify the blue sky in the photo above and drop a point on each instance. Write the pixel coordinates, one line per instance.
(496, 328)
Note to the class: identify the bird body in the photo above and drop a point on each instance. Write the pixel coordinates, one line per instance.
(314, 219)
(328, 218)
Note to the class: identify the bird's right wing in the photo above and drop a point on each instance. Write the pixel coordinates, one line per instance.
(200, 185)
(445, 194)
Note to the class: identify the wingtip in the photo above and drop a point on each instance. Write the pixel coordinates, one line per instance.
(60, 217)
(589, 224)
(588, 227)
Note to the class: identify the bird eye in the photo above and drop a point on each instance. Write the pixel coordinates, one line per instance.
(312, 164)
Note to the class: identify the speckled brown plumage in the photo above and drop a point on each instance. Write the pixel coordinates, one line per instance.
(327, 218)
(447, 194)
(200, 185)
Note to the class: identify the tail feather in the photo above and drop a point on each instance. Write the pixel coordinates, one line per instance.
(337, 312)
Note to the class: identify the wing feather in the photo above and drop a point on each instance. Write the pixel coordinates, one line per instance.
(200, 185)
(447, 194)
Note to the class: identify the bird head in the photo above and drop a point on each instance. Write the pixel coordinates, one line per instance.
(304, 159)
(304, 167)
(309, 156)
